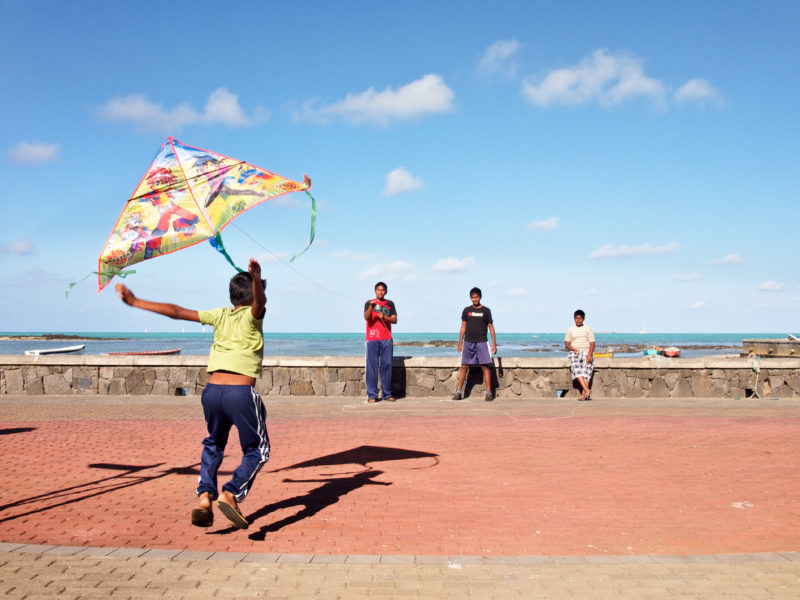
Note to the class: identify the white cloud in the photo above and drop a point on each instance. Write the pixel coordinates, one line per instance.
(23, 247)
(354, 256)
(222, 108)
(544, 224)
(398, 269)
(425, 96)
(518, 292)
(698, 304)
(688, 277)
(34, 152)
(400, 180)
(731, 259)
(605, 77)
(771, 286)
(696, 90)
(498, 60)
(625, 251)
(454, 265)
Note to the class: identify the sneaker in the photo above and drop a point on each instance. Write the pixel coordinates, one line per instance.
(457, 395)
(489, 396)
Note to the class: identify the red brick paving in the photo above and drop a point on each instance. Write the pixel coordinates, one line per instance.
(499, 485)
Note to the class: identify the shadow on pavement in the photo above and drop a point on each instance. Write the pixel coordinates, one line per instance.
(314, 501)
(77, 493)
(362, 455)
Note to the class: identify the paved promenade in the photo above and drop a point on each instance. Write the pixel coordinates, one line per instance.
(425, 498)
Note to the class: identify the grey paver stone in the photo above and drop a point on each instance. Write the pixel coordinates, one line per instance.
(261, 557)
(397, 559)
(535, 560)
(701, 559)
(466, 560)
(160, 553)
(230, 556)
(69, 550)
(363, 559)
(34, 548)
(501, 560)
(636, 559)
(127, 552)
(193, 555)
(9, 547)
(602, 559)
(424, 559)
(569, 560)
(96, 551)
(329, 559)
(295, 558)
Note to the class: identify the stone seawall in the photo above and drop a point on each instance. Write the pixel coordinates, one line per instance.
(656, 377)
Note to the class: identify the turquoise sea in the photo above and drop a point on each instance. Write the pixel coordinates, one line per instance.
(419, 344)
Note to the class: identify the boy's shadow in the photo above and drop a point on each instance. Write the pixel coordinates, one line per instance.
(314, 501)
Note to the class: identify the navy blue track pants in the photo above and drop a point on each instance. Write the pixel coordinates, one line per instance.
(226, 406)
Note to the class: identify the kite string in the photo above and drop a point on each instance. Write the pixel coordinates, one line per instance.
(288, 265)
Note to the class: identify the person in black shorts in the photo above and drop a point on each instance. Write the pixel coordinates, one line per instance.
(476, 319)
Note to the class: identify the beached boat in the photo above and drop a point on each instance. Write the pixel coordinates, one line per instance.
(62, 350)
(603, 354)
(671, 352)
(145, 352)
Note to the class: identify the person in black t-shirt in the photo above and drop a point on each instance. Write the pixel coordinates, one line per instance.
(472, 342)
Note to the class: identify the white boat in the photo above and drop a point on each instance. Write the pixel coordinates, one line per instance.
(62, 350)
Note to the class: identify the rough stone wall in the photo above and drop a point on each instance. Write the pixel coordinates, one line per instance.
(412, 377)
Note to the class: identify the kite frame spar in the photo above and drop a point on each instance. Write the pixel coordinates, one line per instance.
(107, 270)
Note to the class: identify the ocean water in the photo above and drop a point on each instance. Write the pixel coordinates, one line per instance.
(352, 344)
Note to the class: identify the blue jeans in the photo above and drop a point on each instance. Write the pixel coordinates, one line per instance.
(379, 358)
(226, 406)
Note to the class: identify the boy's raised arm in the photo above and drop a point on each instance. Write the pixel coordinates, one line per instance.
(173, 311)
(259, 296)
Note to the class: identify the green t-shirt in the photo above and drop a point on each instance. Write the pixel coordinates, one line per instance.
(238, 340)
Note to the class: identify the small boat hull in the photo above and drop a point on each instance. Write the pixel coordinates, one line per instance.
(64, 350)
(146, 352)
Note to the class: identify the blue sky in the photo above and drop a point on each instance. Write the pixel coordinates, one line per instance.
(638, 161)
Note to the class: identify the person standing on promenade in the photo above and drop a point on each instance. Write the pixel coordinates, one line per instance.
(579, 340)
(380, 314)
(473, 345)
(229, 399)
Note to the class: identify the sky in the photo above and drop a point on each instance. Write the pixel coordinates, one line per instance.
(636, 160)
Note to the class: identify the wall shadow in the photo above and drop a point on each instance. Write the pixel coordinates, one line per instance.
(12, 430)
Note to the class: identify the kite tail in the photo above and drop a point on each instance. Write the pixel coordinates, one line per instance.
(116, 271)
(313, 226)
(216, 241)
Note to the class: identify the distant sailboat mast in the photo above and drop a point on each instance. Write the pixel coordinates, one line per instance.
(642, 332)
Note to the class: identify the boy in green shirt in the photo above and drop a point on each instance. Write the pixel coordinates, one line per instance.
(229, 399)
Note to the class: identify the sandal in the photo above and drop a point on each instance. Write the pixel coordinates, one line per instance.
(232, 514)
(202, 517)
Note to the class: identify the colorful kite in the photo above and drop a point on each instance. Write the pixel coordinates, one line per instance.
(187, 196)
